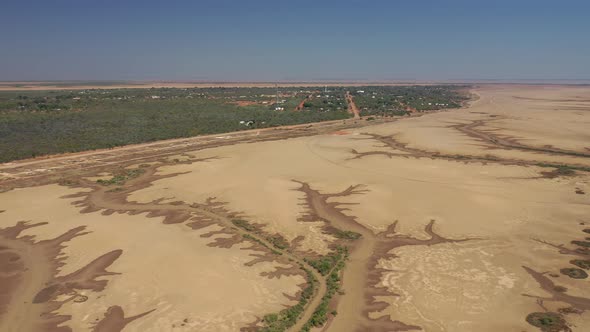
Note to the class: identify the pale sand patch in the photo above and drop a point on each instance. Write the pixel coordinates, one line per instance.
(441, 287)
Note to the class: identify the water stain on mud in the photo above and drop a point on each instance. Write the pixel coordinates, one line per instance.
(114, 320)
(30, 288)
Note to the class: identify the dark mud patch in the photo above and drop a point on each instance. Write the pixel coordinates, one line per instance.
(585, 244)
(234, 228)
(579, 191)
(368, 248)
(114, 320)
(546, 284)
(574, 273)
(24, 255)
(582, 252)
(384, 324)
(84, 278)
(400, 149)
(558, 172)
(233, 224)
(581, 263)
(548, 321)
(474, 130)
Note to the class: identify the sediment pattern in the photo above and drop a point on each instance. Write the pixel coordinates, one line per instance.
(29, 281)
(363, 275)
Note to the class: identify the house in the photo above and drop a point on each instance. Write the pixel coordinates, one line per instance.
(247, 122)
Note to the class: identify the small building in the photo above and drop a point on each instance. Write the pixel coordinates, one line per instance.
(247, 122)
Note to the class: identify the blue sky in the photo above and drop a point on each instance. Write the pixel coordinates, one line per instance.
(294, 40)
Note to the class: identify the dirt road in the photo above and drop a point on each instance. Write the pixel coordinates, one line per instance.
(352, 109)
(48, 169)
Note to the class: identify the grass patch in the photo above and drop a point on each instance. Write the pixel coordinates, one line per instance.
(286, 318)
(35, 123)
(581, 263)
(67, 182)
(574, 273)
(252, 238)
(245, 225)
(277, 241)
(547, 321)
(585, 244)
(323, 312)
(346, 235)
(563, 169)
(120, 178)
(327, 263)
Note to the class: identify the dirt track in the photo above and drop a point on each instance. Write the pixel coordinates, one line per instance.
(352, 109)
(47, 169)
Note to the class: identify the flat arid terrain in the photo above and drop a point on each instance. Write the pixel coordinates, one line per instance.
(77, 85)
(463, 220)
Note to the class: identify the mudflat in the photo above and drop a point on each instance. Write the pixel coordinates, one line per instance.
(472, 219)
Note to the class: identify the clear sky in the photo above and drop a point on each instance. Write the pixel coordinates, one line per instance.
(249, 40)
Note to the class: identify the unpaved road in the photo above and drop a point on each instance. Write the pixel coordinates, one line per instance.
(352, 109)
(32, 170)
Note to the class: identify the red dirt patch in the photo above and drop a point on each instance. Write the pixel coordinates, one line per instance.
(340, 133)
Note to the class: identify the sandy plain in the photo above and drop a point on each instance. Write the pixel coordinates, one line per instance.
(462, 229)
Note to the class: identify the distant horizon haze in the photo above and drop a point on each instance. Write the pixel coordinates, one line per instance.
(268, 41)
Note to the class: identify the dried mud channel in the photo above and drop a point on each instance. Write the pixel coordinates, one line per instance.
(113, 199)
(472, 130)
(200, 215)
(36, 263)
(400, 149)
(362, 273)
(31, 291)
